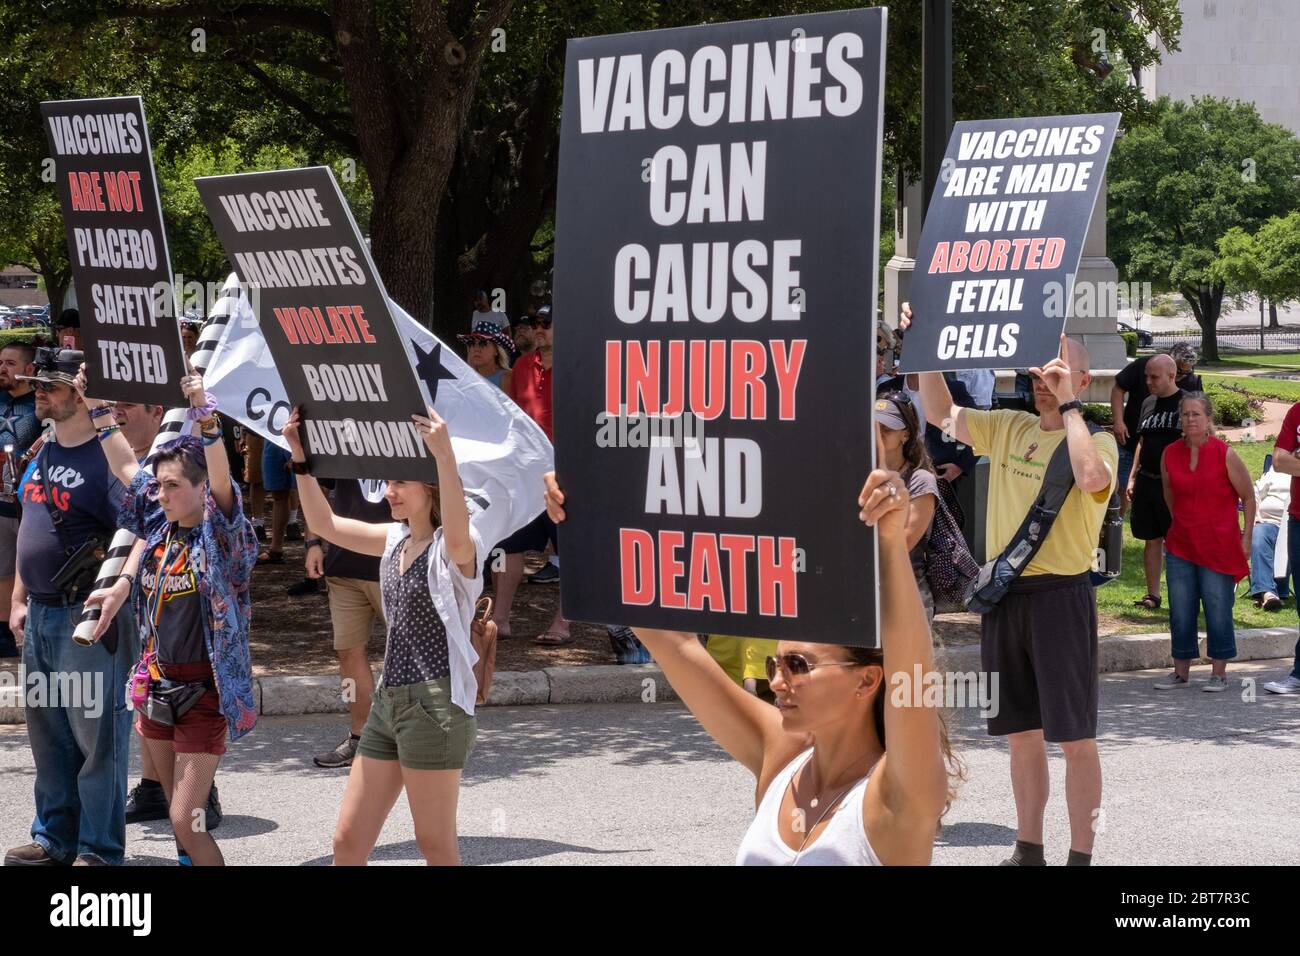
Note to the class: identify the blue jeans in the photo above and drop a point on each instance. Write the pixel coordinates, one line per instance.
(81, 746)
(1263, 542)
(1293, 562)
(1190, 586)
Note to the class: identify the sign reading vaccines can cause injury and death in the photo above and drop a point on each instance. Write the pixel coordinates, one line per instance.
(117, 247)
(715, 280)
(1002, 240)
(324, 312)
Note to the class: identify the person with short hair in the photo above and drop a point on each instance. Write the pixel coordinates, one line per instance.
(1126, 412)
(194, 608)
(1042, 636)
(1207, 549)
(1159, 425)
(19, 429)
(484, 312)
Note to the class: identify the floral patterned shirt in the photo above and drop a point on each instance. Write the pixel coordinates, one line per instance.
(223, 551)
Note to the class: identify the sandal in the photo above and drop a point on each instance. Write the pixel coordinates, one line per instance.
(1151, 602)
(552, 639)
(271, 557)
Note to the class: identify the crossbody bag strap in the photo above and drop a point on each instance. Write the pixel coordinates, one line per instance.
(1058, 480)
(56, 516)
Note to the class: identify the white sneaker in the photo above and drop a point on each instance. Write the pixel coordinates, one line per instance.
(1287, 685)
(1215, 685)
(1172, 682)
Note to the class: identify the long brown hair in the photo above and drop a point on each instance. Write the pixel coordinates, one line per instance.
(956, 770)
(914, 452)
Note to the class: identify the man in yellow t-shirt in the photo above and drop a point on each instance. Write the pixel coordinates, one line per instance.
(1041, 639)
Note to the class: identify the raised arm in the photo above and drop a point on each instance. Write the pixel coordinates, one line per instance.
(743, 725)
(913, 786)
(214, 449)
(359, 536)
(940, 410)
(1090, 470)
(451, 495)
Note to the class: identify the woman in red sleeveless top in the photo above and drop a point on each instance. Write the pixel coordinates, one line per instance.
(1204, 481)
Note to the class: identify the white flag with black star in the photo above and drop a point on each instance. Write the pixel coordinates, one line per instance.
(501, 453)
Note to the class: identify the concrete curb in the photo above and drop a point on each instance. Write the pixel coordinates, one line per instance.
(285, 696)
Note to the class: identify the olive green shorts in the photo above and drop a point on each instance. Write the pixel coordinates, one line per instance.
(418, 726)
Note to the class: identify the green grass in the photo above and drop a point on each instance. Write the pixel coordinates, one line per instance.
(1268, 389)
(1115, 600)
(1278, 360)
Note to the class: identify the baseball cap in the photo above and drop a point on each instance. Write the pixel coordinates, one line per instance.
(56, 366)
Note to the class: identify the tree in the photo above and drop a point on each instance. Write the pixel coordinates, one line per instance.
(1263, 263)
(451, 107)
(1179, 185)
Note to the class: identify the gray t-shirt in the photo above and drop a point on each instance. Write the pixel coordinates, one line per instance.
(921, 482)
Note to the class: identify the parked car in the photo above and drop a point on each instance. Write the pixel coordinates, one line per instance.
(1145, 338)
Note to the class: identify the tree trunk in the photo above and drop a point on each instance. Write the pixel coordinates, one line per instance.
(1272, 315)
(1206, 301)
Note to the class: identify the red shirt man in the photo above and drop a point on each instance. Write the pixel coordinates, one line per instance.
(530, 378)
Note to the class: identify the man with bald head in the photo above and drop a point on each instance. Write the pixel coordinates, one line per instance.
(1041, 638)
(1159, 425)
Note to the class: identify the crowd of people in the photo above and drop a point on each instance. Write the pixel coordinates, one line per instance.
(174, 625)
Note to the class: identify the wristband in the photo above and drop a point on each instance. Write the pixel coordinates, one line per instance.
(302, 467)
(130, 578)
(211, 438)
(196, 413)
(99, 411)
(313, 543)
(1073, 405)
(104, 433)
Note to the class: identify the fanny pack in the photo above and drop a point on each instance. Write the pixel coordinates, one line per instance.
(170, 700)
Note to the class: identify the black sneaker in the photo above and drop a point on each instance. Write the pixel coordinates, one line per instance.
(305, 586)
(340, 756)
(212, 814)
(292, 532)
(548, 574)
(146, 801)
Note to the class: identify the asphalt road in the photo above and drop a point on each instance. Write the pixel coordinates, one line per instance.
(1190, 778)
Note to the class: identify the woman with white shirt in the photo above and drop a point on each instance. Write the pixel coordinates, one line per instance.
(421, 727)
(1272, 498)
(829, 791)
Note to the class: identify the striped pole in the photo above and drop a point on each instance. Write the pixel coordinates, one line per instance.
(173, 425)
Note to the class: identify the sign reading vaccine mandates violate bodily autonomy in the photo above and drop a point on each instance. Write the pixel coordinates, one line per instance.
(117, 247)
(1002, 240)
(715, 286)
(324, 313)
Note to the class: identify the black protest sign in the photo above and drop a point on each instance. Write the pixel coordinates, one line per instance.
(714, 288)
(118, 248)
(1002, 240)
(324, 313)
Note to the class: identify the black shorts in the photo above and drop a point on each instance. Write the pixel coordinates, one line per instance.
(1149, 517)
(532, 537)
(1041, 642)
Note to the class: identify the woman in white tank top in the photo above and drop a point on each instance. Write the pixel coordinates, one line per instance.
(845, 776)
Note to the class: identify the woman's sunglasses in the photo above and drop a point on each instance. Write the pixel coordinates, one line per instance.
(544, 322)
(796, 665)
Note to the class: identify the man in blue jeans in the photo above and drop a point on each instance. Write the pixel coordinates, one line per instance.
(1287, 462)
(77, 721)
